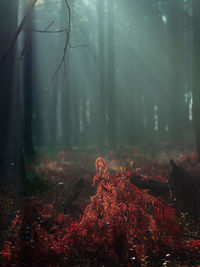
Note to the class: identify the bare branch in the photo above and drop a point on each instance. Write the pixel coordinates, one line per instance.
(19, 29)
(60, 31)
(66, 42)
(63, 57)
(66, 30)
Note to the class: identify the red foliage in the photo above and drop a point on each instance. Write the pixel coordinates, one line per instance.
(39, 235)
(63, 155)
(6, 253)
(121, 223)
(191, 157)
(121, 218)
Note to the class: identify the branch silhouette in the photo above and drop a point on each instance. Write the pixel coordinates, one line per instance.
(18, 31)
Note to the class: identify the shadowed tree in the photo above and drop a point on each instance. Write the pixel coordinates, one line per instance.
(10, 110)
(28, 86)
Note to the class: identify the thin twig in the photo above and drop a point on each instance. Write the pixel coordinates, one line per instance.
(83, 46)
(19, 29)
(46, 31)
(48, 26)
(22, 53)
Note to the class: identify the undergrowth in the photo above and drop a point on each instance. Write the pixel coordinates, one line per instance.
(121, 226)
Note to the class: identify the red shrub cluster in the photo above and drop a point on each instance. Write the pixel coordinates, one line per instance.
(122, 220)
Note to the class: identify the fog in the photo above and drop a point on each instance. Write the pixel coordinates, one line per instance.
(124, 75)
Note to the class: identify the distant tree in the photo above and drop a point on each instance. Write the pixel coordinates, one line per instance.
(101, 125)
(65, 92)
(66, 111)
(196, 72)
(175, 34)
(111, 76)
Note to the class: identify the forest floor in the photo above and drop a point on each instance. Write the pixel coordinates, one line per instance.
(62, 216)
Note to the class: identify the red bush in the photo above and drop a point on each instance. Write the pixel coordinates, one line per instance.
(122, 219)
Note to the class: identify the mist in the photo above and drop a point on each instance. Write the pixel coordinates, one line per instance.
(125, 77)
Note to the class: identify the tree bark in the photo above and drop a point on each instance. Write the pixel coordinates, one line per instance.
(10, 109)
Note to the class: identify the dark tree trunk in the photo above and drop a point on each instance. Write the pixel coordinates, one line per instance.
(28, 88)
(10, 110)
(175, 84)
(53, 116)
(66, 114)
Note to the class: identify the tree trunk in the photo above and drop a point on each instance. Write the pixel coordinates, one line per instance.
(66, 92)
(101, 125)
(28, 87)
(111, 77)
(175, 84)
(196, 68)
(10, 113)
